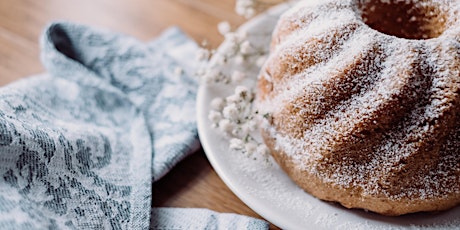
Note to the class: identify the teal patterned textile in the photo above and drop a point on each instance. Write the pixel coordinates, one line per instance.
(81, 145)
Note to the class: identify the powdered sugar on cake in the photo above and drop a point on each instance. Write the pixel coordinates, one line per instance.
(361, 109)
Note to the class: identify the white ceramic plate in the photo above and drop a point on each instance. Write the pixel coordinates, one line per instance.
(266, 188)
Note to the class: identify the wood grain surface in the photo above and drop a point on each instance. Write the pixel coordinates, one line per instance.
(193, 183)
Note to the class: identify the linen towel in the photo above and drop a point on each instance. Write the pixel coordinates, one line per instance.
(81, 145)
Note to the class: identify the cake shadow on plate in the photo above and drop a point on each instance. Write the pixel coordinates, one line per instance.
(438, 219)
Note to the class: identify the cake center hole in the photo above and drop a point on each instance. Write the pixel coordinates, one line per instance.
(410, 19)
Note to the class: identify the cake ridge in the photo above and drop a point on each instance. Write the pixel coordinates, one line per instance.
(374, 122)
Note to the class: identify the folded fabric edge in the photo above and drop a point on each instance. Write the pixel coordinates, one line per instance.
(199, 218)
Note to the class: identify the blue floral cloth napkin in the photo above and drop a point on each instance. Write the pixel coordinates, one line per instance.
(81, 145)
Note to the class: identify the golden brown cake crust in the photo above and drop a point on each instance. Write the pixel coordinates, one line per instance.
(351, 198)
(366, 118)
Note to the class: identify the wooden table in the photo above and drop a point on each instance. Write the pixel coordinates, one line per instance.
(193, 183)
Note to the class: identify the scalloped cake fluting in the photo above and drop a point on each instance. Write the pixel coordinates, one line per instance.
(361, 102)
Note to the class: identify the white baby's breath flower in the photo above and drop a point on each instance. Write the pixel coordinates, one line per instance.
(242, 92)
(245, 8)
(231, 38)
(232, 46)
(224, 27)
(249, 12)
(231, 112)
(220, 59)
(242, 35)
(214, 116)
(218, 103)
(251, 125)
(236, 144)
(226, 126)
(213, 75)
(244, 130)
(238, 132)
(233, 99)
(246, 48)
(239, 59)
(203, 54)
(248, 8)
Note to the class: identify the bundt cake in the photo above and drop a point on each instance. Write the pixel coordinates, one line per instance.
(361, 102)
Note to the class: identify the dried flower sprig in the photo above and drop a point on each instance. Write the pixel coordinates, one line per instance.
(235, 65)
(236, 51)
(234, 117)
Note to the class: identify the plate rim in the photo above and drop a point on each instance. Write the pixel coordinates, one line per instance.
(204, 129)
